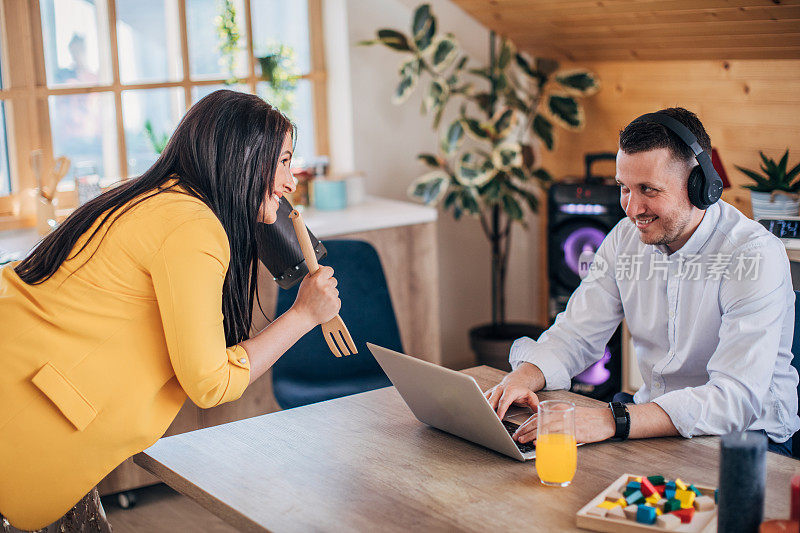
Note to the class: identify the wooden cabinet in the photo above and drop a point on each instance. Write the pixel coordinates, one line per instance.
(404, 236)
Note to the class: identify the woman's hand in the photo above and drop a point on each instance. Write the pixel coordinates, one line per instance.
(592, 424)
(318, 298)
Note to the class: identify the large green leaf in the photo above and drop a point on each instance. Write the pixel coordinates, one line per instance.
(507, 51)
(759, 179)
(470, 201)
(445, 50)
(512, 207)
(578, 82)
(543, 129)
(453, 137)
(472, 171)
(565, 110)
(475, 128)
(430, 160)
(431, 187)
(530, 71)
(542, 175)
(394, 39)
(504, 121)
(423, 27)
(507, 155)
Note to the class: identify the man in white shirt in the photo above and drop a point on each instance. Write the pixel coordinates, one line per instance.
(706, 293)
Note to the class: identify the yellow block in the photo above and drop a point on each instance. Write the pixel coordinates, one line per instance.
(659, 512)
(654, 498)
(608, 505)
(622, 502)
(686, 497)
(680, 484)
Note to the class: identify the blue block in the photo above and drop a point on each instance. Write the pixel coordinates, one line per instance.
(671, 485)
(645, 514)
(635, 497)
(669, 493)
(633, 485)
(694, 489)
(716, 495)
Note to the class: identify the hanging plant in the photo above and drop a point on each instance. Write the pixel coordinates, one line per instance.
(229, 35)
(279, 68)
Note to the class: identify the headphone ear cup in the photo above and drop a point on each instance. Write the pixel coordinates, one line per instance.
(696, 188)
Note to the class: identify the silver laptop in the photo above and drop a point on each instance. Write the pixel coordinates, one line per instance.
(453, 402)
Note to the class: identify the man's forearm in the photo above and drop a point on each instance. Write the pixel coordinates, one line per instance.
(650, 420)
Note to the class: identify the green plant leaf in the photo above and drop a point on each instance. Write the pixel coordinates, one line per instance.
(512, 207)
(579, 82)
(434, 97)
(430, 188)
(481, 72)
(429, 159)
(760, 180)
(475, 128)
(794, 172)
(473, 172)
(445, 50)
(469, 201)
(504, 121)
(453, 137)
(423, 27)
(507, 155)
(542, 175)
(565, 110)
(500, 83)
(543, 129)
(506, 53)
(518, 173)
(784, 161)
(404, 89)
(461, 63)
(394, 40)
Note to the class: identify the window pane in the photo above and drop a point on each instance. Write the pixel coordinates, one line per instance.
(83, 127)
(75, 34)
(205, 58)
(298, 107)
(149, 116)
(277, 22)
(148, 39)
(200, 91)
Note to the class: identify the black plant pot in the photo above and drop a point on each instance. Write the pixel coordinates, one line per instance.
(492, 343)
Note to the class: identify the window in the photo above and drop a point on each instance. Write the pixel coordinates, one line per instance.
(105, 82)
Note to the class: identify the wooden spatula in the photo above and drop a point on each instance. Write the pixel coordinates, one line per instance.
(334, 330)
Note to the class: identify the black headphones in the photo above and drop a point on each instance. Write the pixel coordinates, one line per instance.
(705, 185)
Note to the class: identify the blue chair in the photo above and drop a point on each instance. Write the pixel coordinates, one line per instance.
(309, 372)
(796, 364)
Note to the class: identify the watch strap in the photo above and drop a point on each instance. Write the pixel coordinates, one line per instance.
(622, 420)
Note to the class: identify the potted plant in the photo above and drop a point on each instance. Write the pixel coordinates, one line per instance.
(776, 191)
(487, 163)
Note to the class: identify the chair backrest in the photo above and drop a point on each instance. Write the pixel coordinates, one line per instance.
(308, 372)
(796, 364)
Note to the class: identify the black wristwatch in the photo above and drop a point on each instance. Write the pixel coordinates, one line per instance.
(622, 420)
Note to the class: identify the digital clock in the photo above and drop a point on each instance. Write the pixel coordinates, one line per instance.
(786, 229)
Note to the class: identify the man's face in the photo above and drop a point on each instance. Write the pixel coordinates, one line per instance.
(653, 195)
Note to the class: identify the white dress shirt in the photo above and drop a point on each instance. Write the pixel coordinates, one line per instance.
(712, 325)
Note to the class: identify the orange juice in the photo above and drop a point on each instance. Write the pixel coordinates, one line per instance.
(556, 458)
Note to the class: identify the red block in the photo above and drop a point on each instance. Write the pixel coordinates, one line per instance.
(647, 488)
(660, 488)
(685, 514)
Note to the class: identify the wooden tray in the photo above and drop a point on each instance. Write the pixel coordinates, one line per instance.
(705, 522)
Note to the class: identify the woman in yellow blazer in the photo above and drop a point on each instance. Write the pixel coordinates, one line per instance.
(141, 298)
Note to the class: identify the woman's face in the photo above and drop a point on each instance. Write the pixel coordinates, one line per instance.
(284, 183)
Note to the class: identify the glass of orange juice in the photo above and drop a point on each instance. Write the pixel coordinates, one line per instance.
(556, 448)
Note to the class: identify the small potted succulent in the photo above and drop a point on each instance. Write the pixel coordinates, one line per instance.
(776, 191)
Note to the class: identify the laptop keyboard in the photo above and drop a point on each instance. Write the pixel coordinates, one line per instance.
(524, 447)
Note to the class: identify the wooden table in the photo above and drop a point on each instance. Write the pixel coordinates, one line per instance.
(364, 463)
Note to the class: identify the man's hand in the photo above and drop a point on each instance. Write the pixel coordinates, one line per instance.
(517, 388)
(592, 424)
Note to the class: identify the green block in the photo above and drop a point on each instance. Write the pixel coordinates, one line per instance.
(628, 492)
(656, 480)
(672, 504)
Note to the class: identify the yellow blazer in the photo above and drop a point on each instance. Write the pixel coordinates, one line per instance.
(96, 361)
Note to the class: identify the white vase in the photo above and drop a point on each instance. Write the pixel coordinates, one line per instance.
(765, 206)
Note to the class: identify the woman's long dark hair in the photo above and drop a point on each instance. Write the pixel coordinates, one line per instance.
(224, 152)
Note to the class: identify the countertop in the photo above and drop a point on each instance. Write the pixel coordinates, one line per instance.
(374, 213)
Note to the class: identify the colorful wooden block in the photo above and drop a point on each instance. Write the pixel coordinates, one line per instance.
(627, 492)
(635, 498)
(684, 514)
(680, 484)
(647, 488)
(653, 499)
(656, 480)
(634, 485)
(668, 521)
(622, 503)
(608, 505)
(646, 514)
(659, 512)
(660, 504)
(630, 512)
(613, 496)
(597, 511)
(704, 503)
(686, 498)
(632, 478)
(671, 485)
(616, 512)
(672, 505)
(669, 493)
(694, 489)
(660, 488)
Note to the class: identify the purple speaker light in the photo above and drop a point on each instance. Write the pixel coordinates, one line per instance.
(597, 374)
(586, 239)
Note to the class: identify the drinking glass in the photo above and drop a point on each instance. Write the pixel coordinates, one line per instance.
(556, 448)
